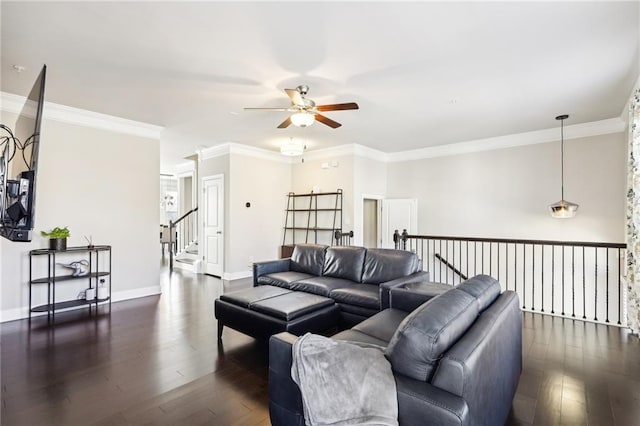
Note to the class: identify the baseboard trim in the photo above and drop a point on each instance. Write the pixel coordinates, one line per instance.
(117, 296)
(231, 276)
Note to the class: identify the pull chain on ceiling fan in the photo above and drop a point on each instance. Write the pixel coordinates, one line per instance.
(305, 111)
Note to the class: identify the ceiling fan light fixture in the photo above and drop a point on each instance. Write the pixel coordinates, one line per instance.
(303, 119)
(292, 148)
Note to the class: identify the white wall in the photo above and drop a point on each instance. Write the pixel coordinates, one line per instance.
(256, 231)
(369, 181)
(505, 193)
(98, 183)
(310, 174)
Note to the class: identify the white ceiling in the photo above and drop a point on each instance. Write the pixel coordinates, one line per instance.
(423, 73)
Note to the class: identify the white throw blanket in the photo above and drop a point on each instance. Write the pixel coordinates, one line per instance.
(344, 383)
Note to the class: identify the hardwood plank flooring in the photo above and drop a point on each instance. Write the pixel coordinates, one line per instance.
(156, 361)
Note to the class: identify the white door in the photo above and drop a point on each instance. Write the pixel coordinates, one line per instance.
(401, 213)
(213, 224)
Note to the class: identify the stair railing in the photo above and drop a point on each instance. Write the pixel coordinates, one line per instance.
(342, 238)
(185, 232)
(573, 279)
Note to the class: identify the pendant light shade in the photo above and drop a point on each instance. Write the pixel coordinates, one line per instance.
(562, 209)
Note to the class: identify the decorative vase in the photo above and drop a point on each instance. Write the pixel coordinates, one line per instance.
(58, 244)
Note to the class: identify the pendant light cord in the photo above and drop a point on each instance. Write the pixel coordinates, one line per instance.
(562, 158)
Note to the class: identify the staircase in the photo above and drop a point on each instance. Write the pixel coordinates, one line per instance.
(189, 259)
(183, 252)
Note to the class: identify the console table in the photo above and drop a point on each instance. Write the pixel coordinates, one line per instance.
(99, 270)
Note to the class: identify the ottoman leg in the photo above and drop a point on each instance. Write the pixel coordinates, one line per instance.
(220, 327)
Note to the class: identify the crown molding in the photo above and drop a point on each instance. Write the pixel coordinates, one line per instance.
(343, 150)
(229, 148)
(575, 131)
(185, 168)
(80, 117)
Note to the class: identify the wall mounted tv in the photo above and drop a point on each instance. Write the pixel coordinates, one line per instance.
(19, 167)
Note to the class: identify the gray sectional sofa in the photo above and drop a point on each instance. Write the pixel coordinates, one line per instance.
(456, 358)
(358, 279)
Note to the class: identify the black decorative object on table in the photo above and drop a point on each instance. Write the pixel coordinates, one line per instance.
(97, 269)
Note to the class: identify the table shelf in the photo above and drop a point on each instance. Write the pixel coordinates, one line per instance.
(66, 304)
(98, 260)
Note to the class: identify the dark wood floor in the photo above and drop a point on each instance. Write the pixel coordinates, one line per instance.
(156, 360)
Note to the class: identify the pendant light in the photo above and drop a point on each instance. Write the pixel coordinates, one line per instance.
(562, 209)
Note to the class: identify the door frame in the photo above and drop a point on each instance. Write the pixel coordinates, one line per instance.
(201, 212)
(194, 190)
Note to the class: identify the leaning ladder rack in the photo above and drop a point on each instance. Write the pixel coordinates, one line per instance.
(311, 217)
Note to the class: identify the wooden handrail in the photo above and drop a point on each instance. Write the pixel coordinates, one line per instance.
(404, 237)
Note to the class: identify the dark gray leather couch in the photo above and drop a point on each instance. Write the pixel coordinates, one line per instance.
(456, 359)
(358, 279)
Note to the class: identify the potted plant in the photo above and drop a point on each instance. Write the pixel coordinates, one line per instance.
(57, 238)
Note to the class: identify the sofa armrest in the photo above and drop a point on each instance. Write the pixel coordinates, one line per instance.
(409, 296)
(387, 286)
(269, 267)
(419, 401)
(285, 400)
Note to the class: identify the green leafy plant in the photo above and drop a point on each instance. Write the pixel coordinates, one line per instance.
(57, 233)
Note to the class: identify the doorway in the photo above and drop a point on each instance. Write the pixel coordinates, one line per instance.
(370, 223)
(213, 224)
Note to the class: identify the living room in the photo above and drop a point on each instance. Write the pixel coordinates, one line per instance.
(469, 132)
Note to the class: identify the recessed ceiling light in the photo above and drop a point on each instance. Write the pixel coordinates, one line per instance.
(234, 113)
(18, 68)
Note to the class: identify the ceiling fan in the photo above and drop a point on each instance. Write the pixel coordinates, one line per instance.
(305, 111)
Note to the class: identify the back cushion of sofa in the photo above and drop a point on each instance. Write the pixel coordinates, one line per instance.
(429, 331)
(484, 288)
(308, 258)
(382, 265)
(344, 262)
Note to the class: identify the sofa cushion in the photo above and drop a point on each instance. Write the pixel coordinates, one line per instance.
(382, 325)
(382, 265)
(344, 262)
(308, 258)
(484, 288)
(352, 335)
(365, 295)
(426, 333)
(282, 279)
(320, 285)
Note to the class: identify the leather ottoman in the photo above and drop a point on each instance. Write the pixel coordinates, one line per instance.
(265, 310)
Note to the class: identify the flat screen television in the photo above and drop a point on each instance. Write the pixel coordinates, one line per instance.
(19, 165)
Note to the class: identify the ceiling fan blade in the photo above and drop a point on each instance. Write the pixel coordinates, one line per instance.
(296, 97)
(286, 123)
(338, 107)
(329, 122)
(268, 109)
